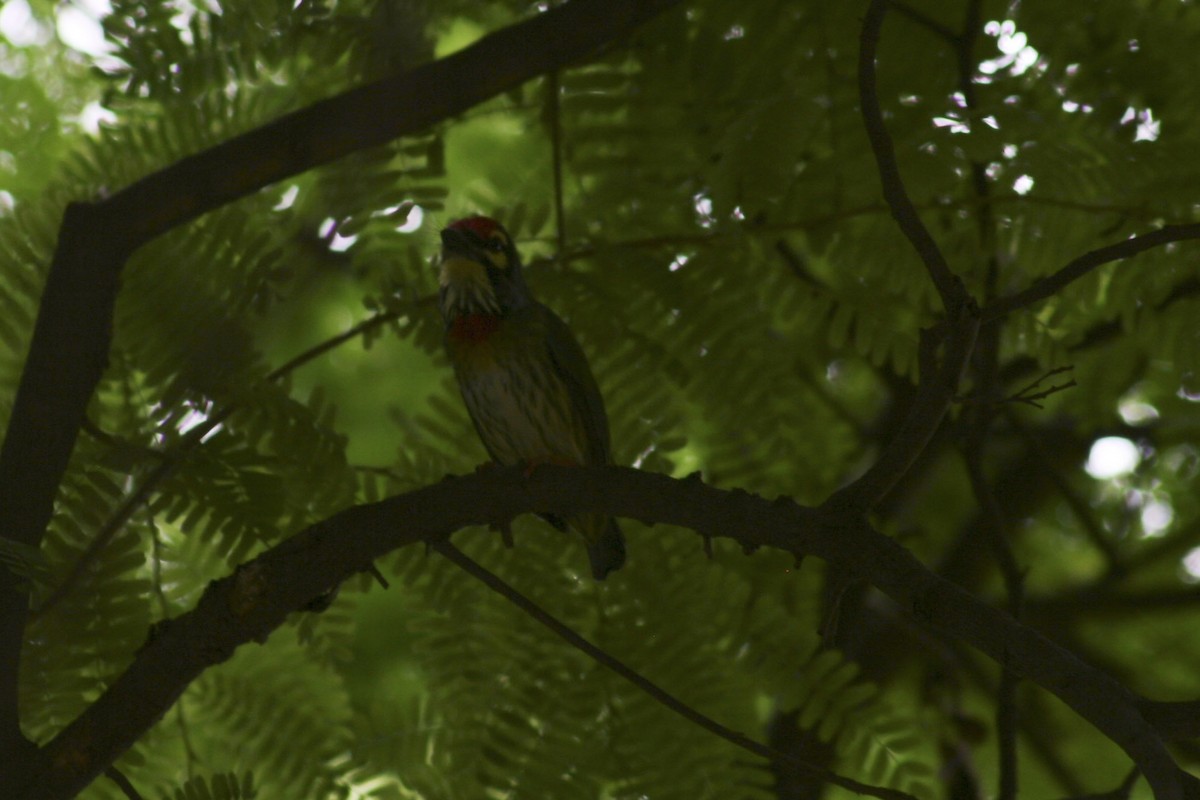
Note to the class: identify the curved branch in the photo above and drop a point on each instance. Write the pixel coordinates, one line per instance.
(949, 287)
(247, 605)
(1176, 720)
(1051, 284)
(934, 397)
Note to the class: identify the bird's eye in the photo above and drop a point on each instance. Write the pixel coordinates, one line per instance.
(495, 245)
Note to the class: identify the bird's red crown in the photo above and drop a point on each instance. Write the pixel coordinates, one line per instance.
(480, 226)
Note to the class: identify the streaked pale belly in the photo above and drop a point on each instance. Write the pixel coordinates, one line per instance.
(523, 411)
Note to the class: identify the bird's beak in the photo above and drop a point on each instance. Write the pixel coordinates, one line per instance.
(461, 266)
(463, 278)
(456, 243)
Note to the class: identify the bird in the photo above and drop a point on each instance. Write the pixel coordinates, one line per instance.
(524, 378)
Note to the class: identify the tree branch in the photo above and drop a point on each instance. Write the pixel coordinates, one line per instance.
(934, 397)
(656, 692)
(936, 391)
(995, 529)
(71, 338)
(949, 287)
(1051, 284)
(247, 605)
(1174, 720)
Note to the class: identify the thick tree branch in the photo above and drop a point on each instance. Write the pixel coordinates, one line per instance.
(494, 582)
(71, 339)
(1051, 284)
(1177, 720)
(949, 287)
(249, 604)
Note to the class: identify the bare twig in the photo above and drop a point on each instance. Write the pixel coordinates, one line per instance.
(797, 266)
(957, 333)
(1024, 395)
(653, 690)
(1027, 395)
(925, 21)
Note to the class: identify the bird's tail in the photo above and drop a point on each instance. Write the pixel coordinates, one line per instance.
(606, 543)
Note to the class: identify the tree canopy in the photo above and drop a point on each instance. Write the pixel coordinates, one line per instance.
(893, 304)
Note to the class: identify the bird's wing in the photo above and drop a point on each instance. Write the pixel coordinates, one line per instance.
(572, 366)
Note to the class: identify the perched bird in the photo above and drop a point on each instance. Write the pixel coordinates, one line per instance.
(525, 381)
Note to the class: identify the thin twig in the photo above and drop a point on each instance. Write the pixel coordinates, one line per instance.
(496, 584)
(925, 21)
(319, 349)
(553, 90)
(824, 220)
(171, 461)
(1025, 395)
(1030, 397)
(935, 394)
(798, 267)
(117, 443)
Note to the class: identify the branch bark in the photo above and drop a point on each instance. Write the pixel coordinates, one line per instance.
(1077, 268)
(71, 339)
(939, 386)
(247, 605)
(949, 287)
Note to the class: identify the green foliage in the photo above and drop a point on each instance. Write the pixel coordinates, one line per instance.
(750, 311)
(225, 786)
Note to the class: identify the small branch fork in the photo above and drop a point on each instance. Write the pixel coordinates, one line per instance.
(1026, 394)
(1030, 397)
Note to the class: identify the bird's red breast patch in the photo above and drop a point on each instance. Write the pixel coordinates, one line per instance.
(480, 226)
(474, 328)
